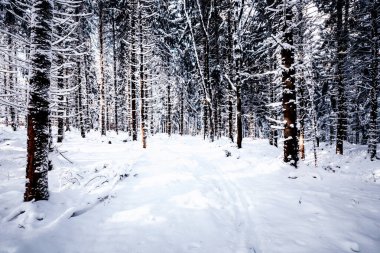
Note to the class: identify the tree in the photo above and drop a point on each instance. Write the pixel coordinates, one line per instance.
(289, 91)
(133, 66)
(143, 97)
(237, 56)
(341, 37)
(38, 109)
(374, 86)
(102, 98)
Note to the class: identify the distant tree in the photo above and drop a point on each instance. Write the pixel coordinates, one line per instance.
(102, 91)
(374, 81)
(133, 66)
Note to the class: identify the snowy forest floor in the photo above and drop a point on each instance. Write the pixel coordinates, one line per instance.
(184, 194)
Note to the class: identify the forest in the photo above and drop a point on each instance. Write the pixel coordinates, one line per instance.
(300, 77)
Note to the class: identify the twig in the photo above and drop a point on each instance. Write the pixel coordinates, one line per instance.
(64, 156)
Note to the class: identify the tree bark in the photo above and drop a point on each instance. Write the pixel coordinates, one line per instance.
(36, 187)
(181, 111)
(230, 64)
(237, 53)
(341, 99)
(289, 92)
(116, 94)
(374, 87)
(142, 82)
(133, 72)
(102, 99)
(12, 109)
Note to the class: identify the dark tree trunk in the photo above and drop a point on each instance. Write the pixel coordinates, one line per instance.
(124, 82)
(133, 72)
(374, 87)
(273, 135)
(289, 93)
(12, 82)
(142, 107)
(79, 79)
(151, 110)
(115, 73)
(67, 119)
(205, 117)
(36, 187)
(237, 52)
(142, 82)
(301, 80)
(61, 97)
(61, 103)
(216, 75)
(181, 111)
(89, 124)
(169, 113)
(302, 121)
(102, 98)
(230, 64)
(341, 99)
(5, 79)
(208, 97)
(80, 100)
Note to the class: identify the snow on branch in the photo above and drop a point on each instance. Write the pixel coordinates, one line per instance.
(4, 102)
(63, 91)
(279, 122)
(275, 104)
(229, 81)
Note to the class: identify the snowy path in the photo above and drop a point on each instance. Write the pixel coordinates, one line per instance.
(178, 202)
(185, 195)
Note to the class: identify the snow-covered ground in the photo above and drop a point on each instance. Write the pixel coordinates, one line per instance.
(184, 194)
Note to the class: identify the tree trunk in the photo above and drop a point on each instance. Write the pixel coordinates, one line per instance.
(273, 135)
(115, 73)
(373, 132)
(181, 111)
(142, 82)
(208, 97)
(289, 93)
(151, 110)
(12, 83)
(133, 72)
(5, 77)
(169, 113)
(237, 52)
(36, 187)
(61, 98)
(88, 124)
(341, 52)
(80, 99)
(102, 99)
(302, 121)
(124, 83)
(205, 117)
(230, 64)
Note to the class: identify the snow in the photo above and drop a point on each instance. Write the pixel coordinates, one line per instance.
(184, 194)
